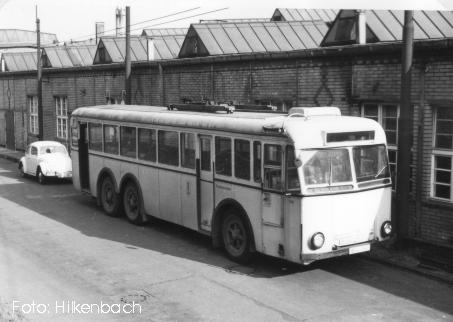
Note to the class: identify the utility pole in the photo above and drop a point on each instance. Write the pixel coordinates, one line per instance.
(39, 78)
(127, 75)
(405, 130)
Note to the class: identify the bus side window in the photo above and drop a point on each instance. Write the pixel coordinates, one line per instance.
(147, 144)
(223, 156)
(257, 162)
(292, 178)
(205, 157)
(272, 166)
(242, 159)
(187, 150)
(128, 141)
(111, 139)
(168, 147)
(95, 139)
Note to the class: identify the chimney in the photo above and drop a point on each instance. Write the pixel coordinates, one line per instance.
(99, 31)
(119, 21)
(361, 27)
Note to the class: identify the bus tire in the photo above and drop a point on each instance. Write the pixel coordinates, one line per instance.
(236, 237)
(110, 200)
(132, 204)
(40, 177)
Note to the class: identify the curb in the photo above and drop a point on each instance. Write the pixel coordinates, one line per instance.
(423, 272)
(9, 157)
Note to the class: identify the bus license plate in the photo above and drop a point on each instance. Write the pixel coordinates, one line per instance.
(359, 249)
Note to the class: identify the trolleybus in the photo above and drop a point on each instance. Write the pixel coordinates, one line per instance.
(301, 186)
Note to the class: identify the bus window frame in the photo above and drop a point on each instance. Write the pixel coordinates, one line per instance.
(90, 124)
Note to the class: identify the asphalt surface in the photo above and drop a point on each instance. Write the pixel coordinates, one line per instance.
(57, 247)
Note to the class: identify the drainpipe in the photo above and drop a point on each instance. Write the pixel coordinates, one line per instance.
(128, 58)
(405, 130)
(39, 79)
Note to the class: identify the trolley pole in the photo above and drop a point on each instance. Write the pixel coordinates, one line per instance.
(405, 130)
(128, 86)
(39, 79)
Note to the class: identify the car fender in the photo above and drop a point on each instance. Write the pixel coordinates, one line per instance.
(22, 160)
(44, 167)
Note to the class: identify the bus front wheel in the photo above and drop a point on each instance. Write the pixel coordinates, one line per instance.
(132, 203)
(109, 198)
(236, 238)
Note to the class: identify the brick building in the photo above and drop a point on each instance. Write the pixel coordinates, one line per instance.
(361, 79)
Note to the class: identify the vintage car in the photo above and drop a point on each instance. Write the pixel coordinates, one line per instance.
(46, 159)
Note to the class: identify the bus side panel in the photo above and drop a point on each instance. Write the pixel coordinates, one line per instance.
(128, 168)
(292, 227)
(248, 197)
(169, 198)
(149, 182)
(188, 193)
(96, 165)
(75, 169)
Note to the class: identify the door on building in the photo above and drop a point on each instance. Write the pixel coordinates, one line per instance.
(84, 170)
(10, 141)
(205, 183)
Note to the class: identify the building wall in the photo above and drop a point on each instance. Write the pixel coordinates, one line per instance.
(344, 81)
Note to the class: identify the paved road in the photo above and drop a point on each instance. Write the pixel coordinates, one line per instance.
(57, 246)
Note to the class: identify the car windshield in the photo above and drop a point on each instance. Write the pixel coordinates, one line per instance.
(326, 167)
(370, 162)
(52, 149)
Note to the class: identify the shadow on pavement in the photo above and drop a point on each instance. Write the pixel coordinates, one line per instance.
(60, 202)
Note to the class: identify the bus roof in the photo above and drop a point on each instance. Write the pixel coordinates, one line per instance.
(304, 131)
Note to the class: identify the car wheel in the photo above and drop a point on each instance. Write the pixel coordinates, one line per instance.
(132, 203)
(236, 238)
(110, 200)
(21, 170)
(40, 176)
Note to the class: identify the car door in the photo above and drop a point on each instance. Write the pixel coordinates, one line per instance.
(32, 160)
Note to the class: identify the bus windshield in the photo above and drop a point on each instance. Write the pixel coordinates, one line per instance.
(333, 166)
(327, 166)
(370, 162)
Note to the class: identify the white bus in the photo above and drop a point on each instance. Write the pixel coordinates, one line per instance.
(302, 186)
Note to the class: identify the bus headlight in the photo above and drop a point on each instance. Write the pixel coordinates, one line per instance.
(317, 240)
(386, 229)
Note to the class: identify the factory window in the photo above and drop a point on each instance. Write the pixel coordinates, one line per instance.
(32, 102)
(442, 157)
(386, 115)
(61, 112)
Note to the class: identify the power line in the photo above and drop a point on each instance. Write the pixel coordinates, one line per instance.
(163, 23)
(141, 22)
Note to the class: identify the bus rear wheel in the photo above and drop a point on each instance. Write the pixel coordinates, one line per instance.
(110, 200)
(132, 203)
(236, 238)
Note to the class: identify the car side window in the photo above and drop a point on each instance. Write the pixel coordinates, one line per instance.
(34, 150)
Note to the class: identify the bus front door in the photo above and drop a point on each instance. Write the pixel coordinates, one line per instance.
(84, 171)
(205, 198)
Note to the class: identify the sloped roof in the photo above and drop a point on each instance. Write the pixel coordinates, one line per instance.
(387, 25)
(68, 56)
(19, 61)
(285, 14)
(23, 38)
(159, 32)
(113, 49)
(235, 38)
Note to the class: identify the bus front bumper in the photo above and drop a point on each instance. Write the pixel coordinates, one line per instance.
(340, 251)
